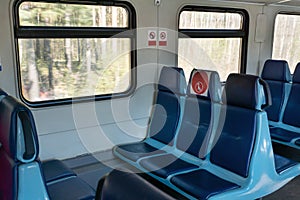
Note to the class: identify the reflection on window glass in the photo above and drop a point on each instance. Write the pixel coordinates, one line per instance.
(65, 68)
(286, 43)
(218, 54)
(209, 20)
(72, 15)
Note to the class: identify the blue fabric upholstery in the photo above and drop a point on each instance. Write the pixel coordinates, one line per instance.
(202, 184)
(136, 151)
(165, 115)
(282, 163)
(276, 73)
(276, 70)
(245, 92)
(55, 169)
(234, 147)
(119, 185)
(283, 134)
(165, 165)
(164, 121)
(297, 142)
(194, 126)
(172, 80)
(71, 189)
(292, 109)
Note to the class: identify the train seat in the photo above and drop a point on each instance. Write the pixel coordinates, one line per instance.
(164, 120)
(115, 187)
(204, 90)
(289, 131)
(240, 150)
(277, 74)
(21, 174)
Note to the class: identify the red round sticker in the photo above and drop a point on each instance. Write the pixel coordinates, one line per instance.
(200, 82)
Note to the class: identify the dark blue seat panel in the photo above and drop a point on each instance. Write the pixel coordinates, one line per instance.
(282, 163)
(234, 147)
(276, 73)
(121, 185)
(283, 135)
(71, 189)
(136, 151)
(165, 165)
(164, 121)
(55, 169)
(292, 109)
(202, 184)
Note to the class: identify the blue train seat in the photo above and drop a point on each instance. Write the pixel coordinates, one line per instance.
(289, 131)
(242, 154)
(204, 90)
(115, 187)
(21, 174)
(277, 74)
(163, 123)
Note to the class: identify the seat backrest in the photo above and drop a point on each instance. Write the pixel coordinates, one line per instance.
(204, 89)
(19, 143)
(277, 74)
(115, 187)
(167, 109)
(292, 108)
(244, 98)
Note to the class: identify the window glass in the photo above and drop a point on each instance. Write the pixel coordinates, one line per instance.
(58, 62)
(71, 15)
(286, 43)
(210, 20)
(218, 54)
(213, 40)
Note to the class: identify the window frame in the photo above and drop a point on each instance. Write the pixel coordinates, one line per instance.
(273, 35)
(53, 32)
(242, 33)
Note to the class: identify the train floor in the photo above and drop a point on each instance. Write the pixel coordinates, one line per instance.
(91, 168)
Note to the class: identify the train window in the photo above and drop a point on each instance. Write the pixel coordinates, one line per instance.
(214, 39)
(286, 43)
(74, 51)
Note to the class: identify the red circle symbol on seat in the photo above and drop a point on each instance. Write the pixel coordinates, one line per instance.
(200, 82)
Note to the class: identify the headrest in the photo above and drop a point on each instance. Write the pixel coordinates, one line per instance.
(205, 84)
(296, 76)
(172, 79)
(247, 91)
(276, 70)
(18, 133)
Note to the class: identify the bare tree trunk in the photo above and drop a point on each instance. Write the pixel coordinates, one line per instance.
(33, 86)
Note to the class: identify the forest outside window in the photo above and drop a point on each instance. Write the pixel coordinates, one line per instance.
(70, 51)
(286, 42)
(213, 39)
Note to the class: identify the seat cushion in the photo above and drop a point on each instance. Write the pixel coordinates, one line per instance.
(136, 151)
(166, 165)
(282, 163)
(202, 184)
(283, 135)
(55, 169)
(71, 189)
